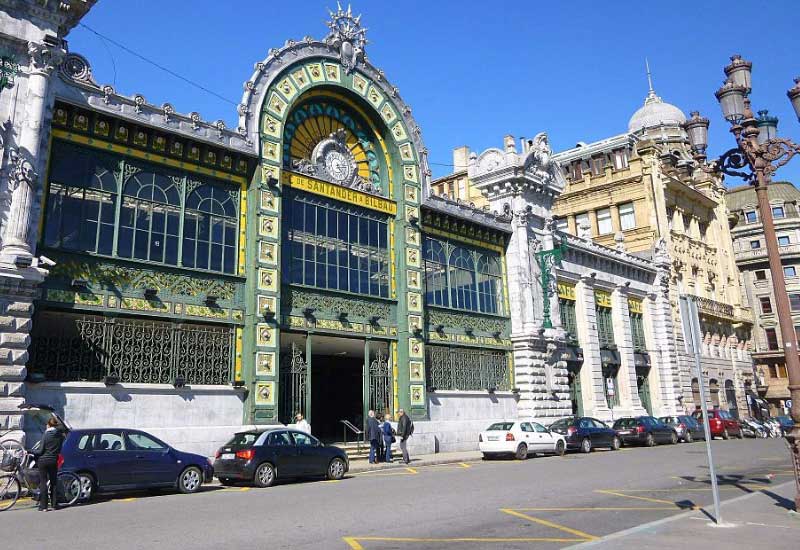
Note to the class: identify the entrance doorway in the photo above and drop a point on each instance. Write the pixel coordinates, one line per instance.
(643, 387)
(574, 378)
(331, 379)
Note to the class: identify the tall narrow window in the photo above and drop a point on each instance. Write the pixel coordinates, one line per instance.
(637, 331)
(598, 165)
(462, 279)
(150, 218)
(490, 284)
(568, 320)
(794, 301)
(604, 226)
(766, 304)
(777, 212)
(209, 240)
(81, 200)
(627, 216)
(436, 274)
(581, 221)
(620, 159)
(605, 327)
(772, 338)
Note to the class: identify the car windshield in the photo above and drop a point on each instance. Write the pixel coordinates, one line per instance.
(244, 438)
(500, 427)
(724, 414)
(667, 420)
(626, 423)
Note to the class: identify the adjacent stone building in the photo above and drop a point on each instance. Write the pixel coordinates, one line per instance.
(751, 258)
(641, 189)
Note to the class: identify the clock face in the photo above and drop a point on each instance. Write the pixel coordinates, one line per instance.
(338, 166)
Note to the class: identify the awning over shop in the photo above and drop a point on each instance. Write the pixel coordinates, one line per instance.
(641, 360)
(609, 357)
(573, 355)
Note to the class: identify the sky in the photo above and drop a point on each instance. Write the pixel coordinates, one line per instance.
(471, 71)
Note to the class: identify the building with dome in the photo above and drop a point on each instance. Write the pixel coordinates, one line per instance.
(640, 189)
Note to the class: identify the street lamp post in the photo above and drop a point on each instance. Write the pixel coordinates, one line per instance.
(760, 152)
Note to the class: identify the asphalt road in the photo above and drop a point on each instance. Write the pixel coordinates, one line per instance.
(547, 502)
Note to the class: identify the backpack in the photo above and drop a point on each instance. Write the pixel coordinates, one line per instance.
(411, 428)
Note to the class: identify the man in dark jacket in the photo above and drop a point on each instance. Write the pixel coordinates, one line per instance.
(47, 462)
(374, 436)
(405, 427)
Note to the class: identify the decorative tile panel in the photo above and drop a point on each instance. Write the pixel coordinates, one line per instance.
(315, 70)
(413, 280)
(140, 304)
(388, 114)
(412, 193)
(300, 78)
(269, 150)
(267, 200)
(410, 173)
(265, 393)
(399, 132)
(417, 395)
(265, 335)
(414, 322)
(267, 252)
(286, 88)
(205, 311)
(265, 363)
(414, 302)
(374, 96)
(416, 371)
(360, 84)
(268, 226)
(407, 152)
(412, 257)
(332, 72)
(277, 105)
(268, 279)
(270, 174)
(412, 212)
(265, 304)
(412, 236)
(415, 347)
(271, 126)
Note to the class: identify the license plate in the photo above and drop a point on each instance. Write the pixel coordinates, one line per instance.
(228, 456)
(493, 438)
(624, 432)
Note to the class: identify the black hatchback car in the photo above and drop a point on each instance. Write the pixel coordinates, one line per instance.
(585, 433)
(644, 430)
(263, 457)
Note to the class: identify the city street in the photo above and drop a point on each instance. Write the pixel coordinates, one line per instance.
(546, 502)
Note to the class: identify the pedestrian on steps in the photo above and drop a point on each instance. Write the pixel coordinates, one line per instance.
(47, 463)
(302, 424)
(405, 429)
(374, 437)
(388, 437)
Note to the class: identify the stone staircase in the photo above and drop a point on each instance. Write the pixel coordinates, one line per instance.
(352, 449)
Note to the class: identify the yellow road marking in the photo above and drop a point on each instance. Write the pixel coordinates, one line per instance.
(646, 499)
(597, 509)
(355, 542)
(331, 481)
(722, 487)
(412, 470)
(581, 534)
(129, 499)
(464, 465)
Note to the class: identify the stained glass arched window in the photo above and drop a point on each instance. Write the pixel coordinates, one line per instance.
(81, 200)
(210, 228)
(150, 214)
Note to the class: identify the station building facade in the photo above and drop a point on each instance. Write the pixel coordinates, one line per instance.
(169, 273)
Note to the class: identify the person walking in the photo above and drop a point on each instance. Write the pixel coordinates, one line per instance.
(388, 437)
(302, 424)
(47, 463)
(374, 437)
(405, 428)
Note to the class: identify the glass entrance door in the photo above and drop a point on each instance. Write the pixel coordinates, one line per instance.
(293, 382)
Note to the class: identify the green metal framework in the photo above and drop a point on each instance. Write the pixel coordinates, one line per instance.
(605, 326)
(120, 207)
(568, 319)
(637, 332)
(462, 368)
(547, 259)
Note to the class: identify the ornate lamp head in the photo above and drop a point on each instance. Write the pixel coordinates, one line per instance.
(794, 97)
(767, 126)
(697, 129)
(739, 72)
(731, 98)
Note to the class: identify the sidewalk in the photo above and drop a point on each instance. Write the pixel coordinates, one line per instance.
(750, 521)
(362, 465)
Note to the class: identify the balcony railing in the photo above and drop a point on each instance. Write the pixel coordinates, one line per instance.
(761, 253)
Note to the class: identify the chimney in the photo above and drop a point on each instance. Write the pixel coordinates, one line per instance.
(460, 158)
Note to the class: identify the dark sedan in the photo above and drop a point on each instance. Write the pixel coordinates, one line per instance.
(644, 430)
(116, 459)
(266, 456)
(585, 433)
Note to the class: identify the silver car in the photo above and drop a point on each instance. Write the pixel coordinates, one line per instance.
(687, 428)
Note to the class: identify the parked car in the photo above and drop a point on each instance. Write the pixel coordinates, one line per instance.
(644, 430)
(263, 457)
(721, 423)
(687, 428)
(521, 439)
(759, 427)
(115, 459)
(586, 433)
(785, 422)
(749, 429)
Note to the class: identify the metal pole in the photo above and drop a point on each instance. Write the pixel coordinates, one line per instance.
(691, 333)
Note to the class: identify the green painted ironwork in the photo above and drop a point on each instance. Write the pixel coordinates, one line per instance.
(605, 327)
(575, 394)
(637, 332)
(643, 388)
(461, 368)
(68, 347)
(294, 385)
(568, 319)
(547, 259)
(9, 69)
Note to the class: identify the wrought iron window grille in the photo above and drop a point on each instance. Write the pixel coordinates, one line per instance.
(466, 369)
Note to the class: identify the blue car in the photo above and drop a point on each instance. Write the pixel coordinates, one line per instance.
(118, 459)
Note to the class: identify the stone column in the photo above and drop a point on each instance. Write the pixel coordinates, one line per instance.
(626, 377)
(594, 401)
(25, 160)
(662, 345)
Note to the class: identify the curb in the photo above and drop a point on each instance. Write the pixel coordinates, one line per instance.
(413, 464)
(650, 525)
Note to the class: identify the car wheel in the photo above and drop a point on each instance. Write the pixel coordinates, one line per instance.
(586, 445)
(226, 481)
(673, 438)
(725, 434)
(561, 448)
(650, 441)
(488, 456)
(190, 480)
(87, 486)
(740, 435)
(336, 469)
(265, 475)
(522, 452)
(688, 437)
(615, 444)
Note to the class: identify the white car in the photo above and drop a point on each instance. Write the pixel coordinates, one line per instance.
(520, 438)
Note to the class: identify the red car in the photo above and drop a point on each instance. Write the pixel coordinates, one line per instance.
(721, 423)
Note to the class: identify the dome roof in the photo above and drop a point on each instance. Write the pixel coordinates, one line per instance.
(655, 112)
